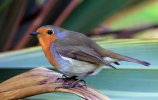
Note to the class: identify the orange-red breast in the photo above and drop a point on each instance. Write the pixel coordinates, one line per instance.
(76, 55)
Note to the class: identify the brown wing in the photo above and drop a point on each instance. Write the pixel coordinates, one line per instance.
(80, 53)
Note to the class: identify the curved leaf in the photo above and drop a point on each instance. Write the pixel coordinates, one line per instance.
(130, 81)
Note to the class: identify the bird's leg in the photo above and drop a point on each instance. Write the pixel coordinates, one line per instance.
(71, 78)
(66, 78)
(76, 83)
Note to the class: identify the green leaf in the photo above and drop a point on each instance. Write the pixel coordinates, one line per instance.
(138, 48)
(144, 14)
(4, 4)
(91, 12)
(129, 81)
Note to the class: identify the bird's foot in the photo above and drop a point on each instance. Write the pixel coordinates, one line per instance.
(70, 85)
(66, 78)
(70, 82)
(73, 84)
(83, 83)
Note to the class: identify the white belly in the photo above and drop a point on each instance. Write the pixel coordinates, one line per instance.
(75, 67)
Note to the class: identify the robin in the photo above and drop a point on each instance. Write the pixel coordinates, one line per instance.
(76, 55)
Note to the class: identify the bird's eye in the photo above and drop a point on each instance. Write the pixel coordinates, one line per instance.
(50, 32)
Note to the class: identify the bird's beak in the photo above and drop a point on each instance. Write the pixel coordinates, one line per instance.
(34, 33)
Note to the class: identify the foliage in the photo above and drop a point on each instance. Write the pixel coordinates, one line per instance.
(129, 80)
(18, 18)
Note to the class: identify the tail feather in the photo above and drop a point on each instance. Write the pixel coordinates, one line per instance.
(106, 53)
(124, 58)
(144, 63)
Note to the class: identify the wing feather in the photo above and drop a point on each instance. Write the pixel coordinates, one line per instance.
(80, 53)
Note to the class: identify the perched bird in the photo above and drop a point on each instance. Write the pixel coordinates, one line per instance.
(76, 55)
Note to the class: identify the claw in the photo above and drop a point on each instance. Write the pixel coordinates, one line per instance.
(66, 78)
(74, 84)
(83, 81)
(69, 85)
(70, 82)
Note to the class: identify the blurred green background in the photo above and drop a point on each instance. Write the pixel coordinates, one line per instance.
(114, 24)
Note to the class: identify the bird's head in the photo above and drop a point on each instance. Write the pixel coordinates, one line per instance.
(47, 34)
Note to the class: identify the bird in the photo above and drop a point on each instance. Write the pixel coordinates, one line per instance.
(76, 55)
